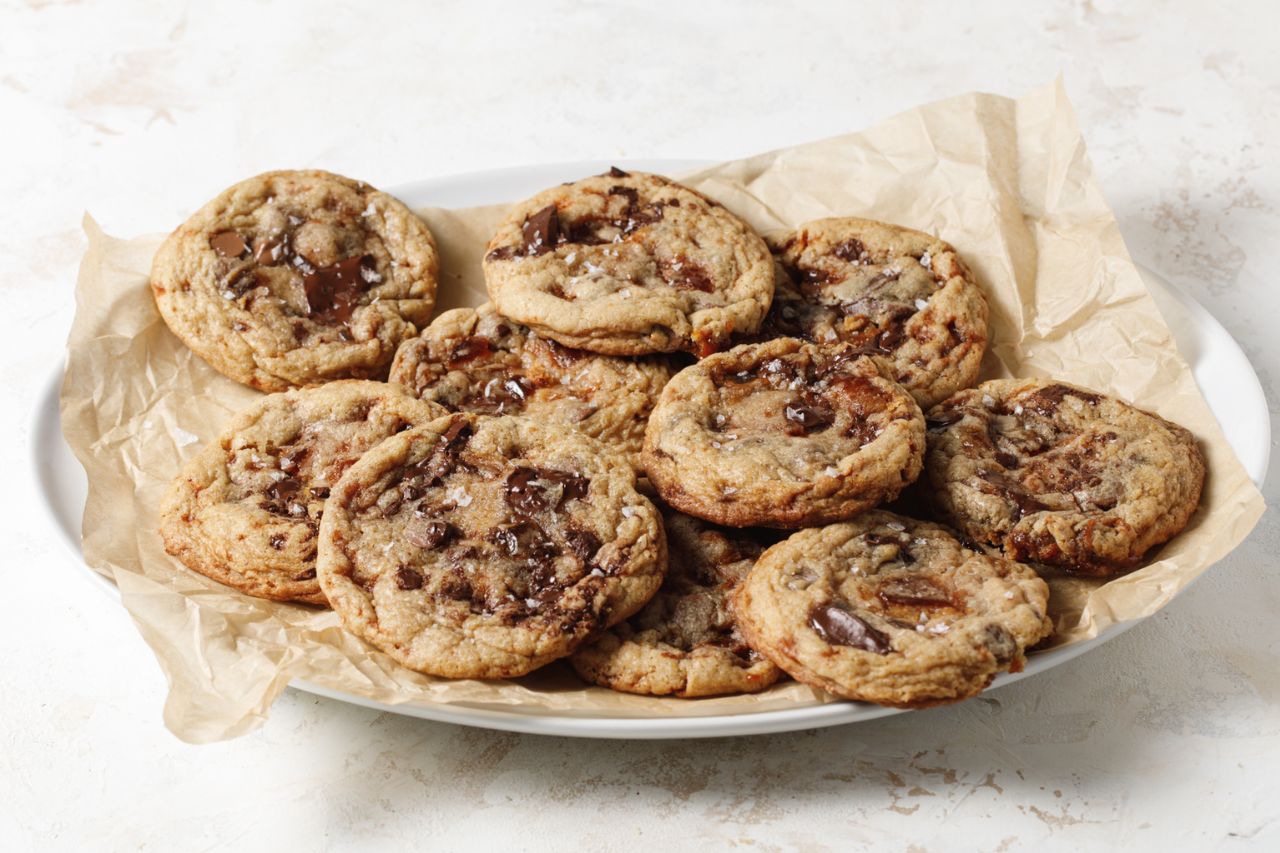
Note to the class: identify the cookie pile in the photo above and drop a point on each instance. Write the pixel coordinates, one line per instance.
(662, 451)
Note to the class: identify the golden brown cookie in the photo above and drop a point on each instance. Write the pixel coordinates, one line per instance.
(485, 547)
(629, 264)
(475, 360)
(245, 510)
(891, 610)
(297, 278)
(685, 641)
(903, 296)
(1056, 474)
(782, 434)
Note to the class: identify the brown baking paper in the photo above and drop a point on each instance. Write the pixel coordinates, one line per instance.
(1006, 181)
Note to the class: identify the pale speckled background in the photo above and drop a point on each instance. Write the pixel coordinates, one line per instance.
(1166, 738)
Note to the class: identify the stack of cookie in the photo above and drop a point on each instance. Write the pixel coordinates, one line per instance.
(661, 451)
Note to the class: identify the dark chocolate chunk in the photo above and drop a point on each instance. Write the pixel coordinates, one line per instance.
(1047, 400)
(683, 274)
(941, 420)
(468, 350)
(583, 543)
(229, 244)
(914, 591)
(835, 624)
(284, 489)
(615, 172)
(807, 416)
(849, 250)
(277, 541)
(308, 575)
(432, 534)
(541, 231)
(333, 291)
(407, 578)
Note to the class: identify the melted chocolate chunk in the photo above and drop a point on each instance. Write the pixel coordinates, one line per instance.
(430, 535)
(541, 231)
(1047, 400)
(229, 244)
(1024, 504)
(683, 274)
(283, 489)
(940, 421)
(290, 460)
(468, 350)
(526, 488)
(914, 591)
(239, 282)
(407, 578)
(835, 624)
(268, 252)
(583, 543)
(850, 250)
(308, 575)
(456, 586)
(629, 193)
(333, 291)
(809, 415)
(1008, 460)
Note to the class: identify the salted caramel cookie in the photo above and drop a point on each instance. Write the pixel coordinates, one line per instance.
(1059, 475)
(782, 434)
(685, 641)
(485, 547)
(891, 610)
(902, 296)
(629, 264)
(297, 278)
(475, 360)
(246, 509)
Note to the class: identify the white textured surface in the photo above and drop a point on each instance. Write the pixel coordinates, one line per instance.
(1167, 738)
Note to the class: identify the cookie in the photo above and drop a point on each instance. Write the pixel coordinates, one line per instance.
(782, 434)
(474, 360)
(903, 296)
(890, 610)
(686, 642)
(485, 547)
(1059, 475)
(629, 264)
(297, 278)
(246, 509)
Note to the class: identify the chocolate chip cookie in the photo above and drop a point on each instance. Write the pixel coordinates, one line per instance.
(686, 640)
(782, 434)
(485, 547)
(629, 264)
(903, 296)
(890, 610)
(475, 360)
(1056, 474)
(297, 278)
(246, 509)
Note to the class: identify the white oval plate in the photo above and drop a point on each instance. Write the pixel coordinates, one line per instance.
(1221, 369)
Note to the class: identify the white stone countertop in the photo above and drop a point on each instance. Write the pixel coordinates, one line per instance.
(1166, 738)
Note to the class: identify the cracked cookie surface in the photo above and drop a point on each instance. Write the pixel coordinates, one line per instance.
(475, 360)
(485, 547)
(629, 264)
(685, 641)
(782, 434)
(891, 610)
(1056, 474)
(296, 278)
(903, 296)
(246, 509)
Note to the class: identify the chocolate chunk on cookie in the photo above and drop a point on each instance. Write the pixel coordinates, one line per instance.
(902, 296)
(297, 278)
(1056, 474)
(782, 434)
(686, 642)
(891, 610)
(629, 264)
(485, 547)
(475, 360)
(245, 510)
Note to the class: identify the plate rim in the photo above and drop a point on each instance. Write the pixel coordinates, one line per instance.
(45, 432)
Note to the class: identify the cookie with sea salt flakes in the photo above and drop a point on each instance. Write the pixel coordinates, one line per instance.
(475, 360)
(486, 547)
(685, 641)
(296, 278)
(891, 610)
(629, 264)
(1056, 474)
(782, 434)
(903, 296)
(246, 509)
